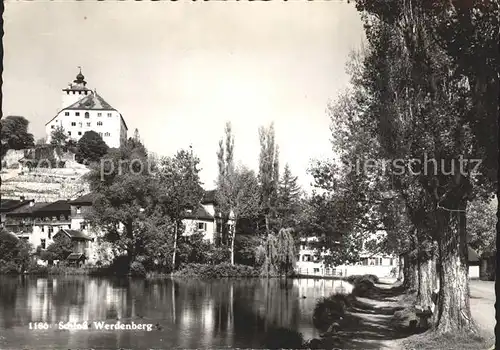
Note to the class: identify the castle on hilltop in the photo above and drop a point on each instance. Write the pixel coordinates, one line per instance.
(84, 110)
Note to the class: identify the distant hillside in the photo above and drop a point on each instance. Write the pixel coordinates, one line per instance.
(43, 174)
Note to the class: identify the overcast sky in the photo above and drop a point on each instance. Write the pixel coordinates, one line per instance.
(178, 71)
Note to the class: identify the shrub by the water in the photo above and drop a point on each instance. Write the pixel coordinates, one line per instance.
(137, 269)
(58, 270)
(363, 287)
(331, 309)
(8, 267)
(216, 271)
(356, 278)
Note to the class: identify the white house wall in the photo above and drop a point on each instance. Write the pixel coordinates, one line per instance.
(75, 125)
(191, 227)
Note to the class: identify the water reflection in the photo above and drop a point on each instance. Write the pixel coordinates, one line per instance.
(192, 314)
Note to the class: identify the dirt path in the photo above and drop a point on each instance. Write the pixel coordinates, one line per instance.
(368, 325)
(375, 331)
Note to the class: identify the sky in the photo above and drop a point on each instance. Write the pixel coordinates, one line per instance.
(178, 71)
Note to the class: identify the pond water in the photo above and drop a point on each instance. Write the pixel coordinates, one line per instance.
(228, 313)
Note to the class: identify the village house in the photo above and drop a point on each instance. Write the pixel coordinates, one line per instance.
(206, 219)
(83, 110)
(39, 223)
(309, 263)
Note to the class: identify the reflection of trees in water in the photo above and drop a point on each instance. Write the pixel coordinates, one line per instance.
(235, 313)
(66, 296)
(278, 302)
(9, 286)
(246, 308)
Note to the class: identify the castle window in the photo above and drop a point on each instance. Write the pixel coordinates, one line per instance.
(77, 113)
(42, 243)
(74, 92)
(51, 229)
(67, 92)
(107, 134)
(109, 114)
(100, 134)
(79, 133)
(80, 124)
(202, 226)
(99, 114)
(52, 126)
(86, 114)
(69, 133)
(73, 124)
(78, 210)
(66, 113)
(50, 235)
(88, 124)
(99, 123)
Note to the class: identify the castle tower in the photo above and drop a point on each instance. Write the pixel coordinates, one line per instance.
(75, 91)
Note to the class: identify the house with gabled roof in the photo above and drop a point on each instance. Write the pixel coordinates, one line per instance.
(37, 222)
(9, 205)
(82, 247)
(84, 110)
(206, 219)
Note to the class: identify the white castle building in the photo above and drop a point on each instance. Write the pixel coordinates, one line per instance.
(84, 110)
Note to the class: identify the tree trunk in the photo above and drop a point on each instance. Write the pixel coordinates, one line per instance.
(427, 273)
(233, 236)
(176, 228)
(406, 270)
(400, 268)
(414, 270)
(453, 298)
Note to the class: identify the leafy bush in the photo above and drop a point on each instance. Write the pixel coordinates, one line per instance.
(216, 271)
(119, 265)
(353, 279)
(329, 310)
(137, 269)
(8, 268)
(363, 287)
(219, 255)
(38, 270)
(57, 270)
(245, 248)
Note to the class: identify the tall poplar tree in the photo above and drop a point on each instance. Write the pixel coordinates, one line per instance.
(268, 175)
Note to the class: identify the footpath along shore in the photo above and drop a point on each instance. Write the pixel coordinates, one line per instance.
(381, 320)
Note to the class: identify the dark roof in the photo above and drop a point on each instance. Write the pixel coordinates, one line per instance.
(209, 197)
(8, 234)
(59, 207)
(27, 210)
(86, 199)
(75, 256)
(473, 256)
(7, 205)
(91, 102)
(73, 234)
(200, 214)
